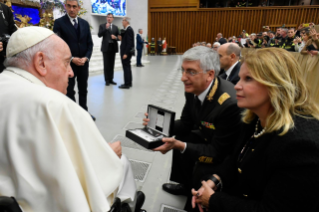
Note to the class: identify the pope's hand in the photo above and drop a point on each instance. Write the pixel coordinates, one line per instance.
(117, 148)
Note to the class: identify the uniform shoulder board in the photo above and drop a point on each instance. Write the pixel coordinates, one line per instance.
(223, 98)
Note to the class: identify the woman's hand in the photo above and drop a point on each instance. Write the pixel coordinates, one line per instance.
(201, 197)
(313, 34)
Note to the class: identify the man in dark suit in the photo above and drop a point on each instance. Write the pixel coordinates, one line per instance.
(229, 54)
(109, 47)
(127, 51)
(76, 33)
(220, 39)
(7, 26)
(209, 124)
(139, 47)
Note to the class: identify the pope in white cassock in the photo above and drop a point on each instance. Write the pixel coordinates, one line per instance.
(52, 156)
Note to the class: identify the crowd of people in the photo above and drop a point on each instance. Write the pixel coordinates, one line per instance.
(303, 39)
(249, 3)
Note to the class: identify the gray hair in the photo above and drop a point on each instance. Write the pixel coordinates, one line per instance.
(128, 19)
(24, 58)
(78, 1)
(233, 48)
(208, 58)
(139, 30)
(285, 30)
(216, 43)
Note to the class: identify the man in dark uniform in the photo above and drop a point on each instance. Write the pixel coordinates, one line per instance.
(109, 32)
(289, 44)
(7, 26)
(209, 124)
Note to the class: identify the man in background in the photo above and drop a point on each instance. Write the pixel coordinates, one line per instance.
(76, 33)
(127, 50)
(220, 39)
(229, 54)
(7, 26)
(139, 47)
(109, 32)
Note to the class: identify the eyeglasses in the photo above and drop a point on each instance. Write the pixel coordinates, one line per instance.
(71, 6)
(191, 72)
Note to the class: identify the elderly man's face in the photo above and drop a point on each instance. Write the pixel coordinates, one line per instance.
(224, 59)
(194, 78)
(72, 8)
(215, 47)
(59, 68)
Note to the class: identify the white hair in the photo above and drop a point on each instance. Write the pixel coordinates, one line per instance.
(24, 58)
(128, 19)
(208, 58)
(216, 43)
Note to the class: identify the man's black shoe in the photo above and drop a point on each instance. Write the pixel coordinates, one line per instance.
(176, 189)
(124, 86)
(140, 198)
(113, 83)
(107, 83)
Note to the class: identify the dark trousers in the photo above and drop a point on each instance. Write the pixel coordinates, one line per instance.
(108, 61)
(187, 171)
(127, 69)
(2, 67)
(139, 57)
(81, 73)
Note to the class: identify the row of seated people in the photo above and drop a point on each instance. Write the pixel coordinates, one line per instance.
(242, 143)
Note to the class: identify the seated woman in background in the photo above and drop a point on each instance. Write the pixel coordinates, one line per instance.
(312, 43)
(276, 164)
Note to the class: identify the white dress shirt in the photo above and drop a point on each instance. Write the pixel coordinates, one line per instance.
(228, 72)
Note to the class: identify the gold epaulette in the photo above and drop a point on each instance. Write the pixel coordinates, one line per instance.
(223, 98)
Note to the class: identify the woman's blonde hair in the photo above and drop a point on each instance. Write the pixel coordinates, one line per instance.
(278, 70)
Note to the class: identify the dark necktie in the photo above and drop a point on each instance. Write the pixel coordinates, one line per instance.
(224, 76)
(75, 24)
(198, 104)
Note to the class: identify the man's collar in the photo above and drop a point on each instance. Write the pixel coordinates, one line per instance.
(25, 75)
(71, 19)
(202, 96)
(127, 27)
(228, 72)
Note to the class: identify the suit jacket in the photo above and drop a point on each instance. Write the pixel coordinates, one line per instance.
(81, 46)
(277, 173)
(106, 34)
(218, 123)
(127, 43)
(139, 42)
(222, 41)
(233, 77)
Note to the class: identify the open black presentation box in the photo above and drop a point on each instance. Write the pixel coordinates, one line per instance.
(160, 125)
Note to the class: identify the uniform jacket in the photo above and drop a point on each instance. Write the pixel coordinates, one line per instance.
(277, 173)
(139, 42)
(289, 44)
(106, 34)
(127, 44)
(81, 46)
(218, 123)
(10, 28)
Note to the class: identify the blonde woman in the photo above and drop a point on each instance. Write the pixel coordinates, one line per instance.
(276, 164)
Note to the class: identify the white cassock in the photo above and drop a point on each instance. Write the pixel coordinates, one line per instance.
(52, 156)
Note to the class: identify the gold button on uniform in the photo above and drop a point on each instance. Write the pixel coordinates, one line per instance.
(200, 128)
(205, 139)
(245, 195)
(240, 171)
(252, 150)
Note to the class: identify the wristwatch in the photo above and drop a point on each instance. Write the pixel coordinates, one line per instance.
(216, 181)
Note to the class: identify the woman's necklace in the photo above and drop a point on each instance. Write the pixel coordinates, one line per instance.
(256, 134)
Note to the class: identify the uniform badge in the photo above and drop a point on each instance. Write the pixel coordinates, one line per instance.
(204, 159)
(208, 125)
